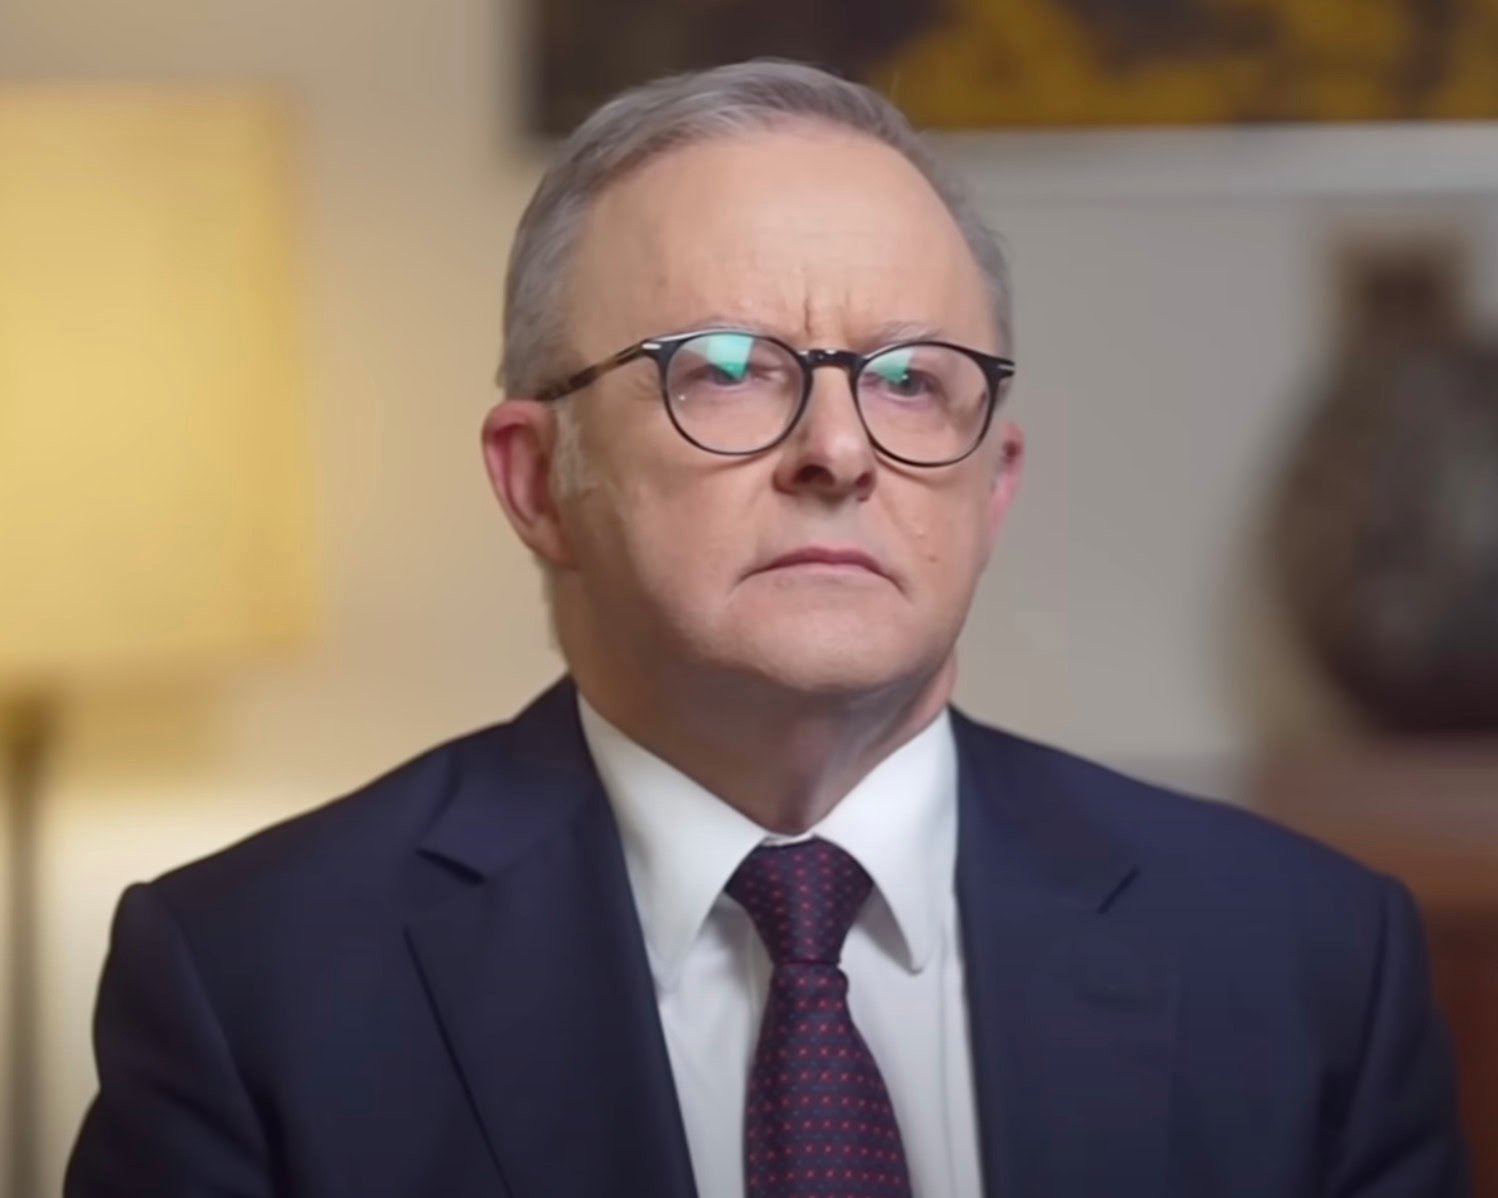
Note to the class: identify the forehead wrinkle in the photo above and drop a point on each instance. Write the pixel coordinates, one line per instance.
(845, 314)
(797, 292)
(738, 289)
(859, 305)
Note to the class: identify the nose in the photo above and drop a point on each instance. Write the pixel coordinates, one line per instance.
(829, 453)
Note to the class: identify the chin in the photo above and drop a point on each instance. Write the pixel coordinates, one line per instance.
(826, 653)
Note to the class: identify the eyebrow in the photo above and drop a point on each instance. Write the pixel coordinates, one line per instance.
(907, 330)
(883, 334)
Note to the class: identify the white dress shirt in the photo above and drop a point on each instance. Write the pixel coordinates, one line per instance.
(903, 956)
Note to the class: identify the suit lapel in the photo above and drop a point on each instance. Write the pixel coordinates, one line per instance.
(537, 972)
(1071, 1018)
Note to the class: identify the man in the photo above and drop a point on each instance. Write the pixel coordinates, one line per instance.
(743, 907)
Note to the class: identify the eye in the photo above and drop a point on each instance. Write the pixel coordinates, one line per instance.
(730, 362)
(724, 374)
(910, 383)
(898, 375)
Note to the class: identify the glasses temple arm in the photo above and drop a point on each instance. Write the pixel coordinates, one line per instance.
(590, 374)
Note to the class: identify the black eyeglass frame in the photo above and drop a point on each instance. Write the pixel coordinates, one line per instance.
(996, 372)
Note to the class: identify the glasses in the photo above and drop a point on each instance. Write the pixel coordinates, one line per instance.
(922, 403)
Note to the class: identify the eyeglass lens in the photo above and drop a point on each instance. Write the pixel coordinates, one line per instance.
(736, 393)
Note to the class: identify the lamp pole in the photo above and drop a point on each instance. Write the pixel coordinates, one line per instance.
(27, 725)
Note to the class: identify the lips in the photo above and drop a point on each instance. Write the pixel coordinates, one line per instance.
(823, 555)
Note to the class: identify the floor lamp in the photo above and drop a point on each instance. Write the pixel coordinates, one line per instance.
(153, 481)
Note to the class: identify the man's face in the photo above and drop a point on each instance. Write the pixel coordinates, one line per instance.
(822, 238)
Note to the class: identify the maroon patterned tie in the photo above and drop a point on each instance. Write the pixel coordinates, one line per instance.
(818, 1119)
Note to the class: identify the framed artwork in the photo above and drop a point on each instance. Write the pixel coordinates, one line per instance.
(982, 64)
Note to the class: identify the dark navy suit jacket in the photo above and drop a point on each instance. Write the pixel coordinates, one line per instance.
(437, 988)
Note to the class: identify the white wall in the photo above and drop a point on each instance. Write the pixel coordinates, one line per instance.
(1168, 305)
(1166, 340)
(1174, 300)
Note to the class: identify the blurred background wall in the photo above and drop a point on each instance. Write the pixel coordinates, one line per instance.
(1172, 300)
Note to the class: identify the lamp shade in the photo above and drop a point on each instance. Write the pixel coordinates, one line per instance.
(153, 460)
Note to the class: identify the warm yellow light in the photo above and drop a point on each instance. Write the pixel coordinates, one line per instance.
(153, 481)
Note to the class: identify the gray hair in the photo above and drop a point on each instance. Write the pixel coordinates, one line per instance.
(647, 121)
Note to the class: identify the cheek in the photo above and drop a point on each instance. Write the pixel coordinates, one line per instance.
(674, 536)
(945, 538)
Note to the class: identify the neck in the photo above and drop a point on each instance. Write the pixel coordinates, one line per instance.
(782, 759)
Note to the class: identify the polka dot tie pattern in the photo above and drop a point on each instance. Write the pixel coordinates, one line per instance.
(817, 1119)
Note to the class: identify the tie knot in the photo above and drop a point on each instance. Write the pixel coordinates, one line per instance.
(802, 897)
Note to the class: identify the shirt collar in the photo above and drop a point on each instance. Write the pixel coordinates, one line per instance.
(682, 843)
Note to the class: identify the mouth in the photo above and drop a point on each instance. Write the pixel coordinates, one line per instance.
(828, 559)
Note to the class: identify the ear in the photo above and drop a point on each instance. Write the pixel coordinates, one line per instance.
(519, 439)
(1005, 482)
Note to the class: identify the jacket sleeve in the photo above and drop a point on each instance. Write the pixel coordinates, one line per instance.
(1401, 1137)
(172, 1118)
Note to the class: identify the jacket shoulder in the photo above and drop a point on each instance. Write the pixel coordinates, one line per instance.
(1251, 911)
(1164, 829)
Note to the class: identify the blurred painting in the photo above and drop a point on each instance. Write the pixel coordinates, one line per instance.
(974, 64)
